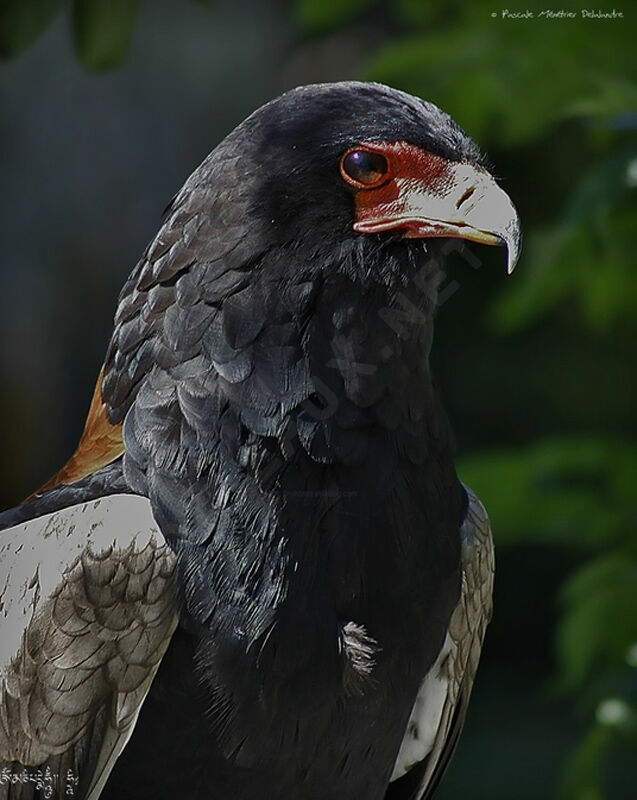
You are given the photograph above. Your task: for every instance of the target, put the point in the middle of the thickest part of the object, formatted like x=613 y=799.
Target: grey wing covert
x=86 y=615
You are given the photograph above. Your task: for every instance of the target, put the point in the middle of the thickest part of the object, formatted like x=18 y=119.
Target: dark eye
x=363 y=168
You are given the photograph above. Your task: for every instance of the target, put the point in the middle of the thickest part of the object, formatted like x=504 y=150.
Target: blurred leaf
x=508 y=100
x=417 y=13
x=22 y=21
x=603 y=186
x=321 y=16
x=102 y=30
x=583 y=772
x=575 y=491
x=600 y=618
x=587 y=256
x=614 y=95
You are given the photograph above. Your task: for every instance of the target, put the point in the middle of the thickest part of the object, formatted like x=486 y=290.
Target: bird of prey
x=259 y=575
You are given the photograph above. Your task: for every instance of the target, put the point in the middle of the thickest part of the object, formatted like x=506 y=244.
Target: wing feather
x=439 y=711
x=86 y=614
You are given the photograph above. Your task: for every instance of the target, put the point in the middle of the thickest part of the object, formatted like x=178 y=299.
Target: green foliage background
x=539 y=371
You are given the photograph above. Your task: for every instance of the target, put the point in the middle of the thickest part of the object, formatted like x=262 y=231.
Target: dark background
x=107 y=105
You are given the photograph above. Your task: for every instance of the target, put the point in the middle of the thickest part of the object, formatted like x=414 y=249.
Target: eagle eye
x=364 y=168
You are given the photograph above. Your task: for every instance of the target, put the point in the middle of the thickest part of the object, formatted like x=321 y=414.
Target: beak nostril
x=465 y=196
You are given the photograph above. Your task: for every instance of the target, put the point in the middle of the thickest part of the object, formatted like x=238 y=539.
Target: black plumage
x=270 y=368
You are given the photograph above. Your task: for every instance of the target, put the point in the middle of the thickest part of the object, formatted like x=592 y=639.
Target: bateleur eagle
x=259 y=575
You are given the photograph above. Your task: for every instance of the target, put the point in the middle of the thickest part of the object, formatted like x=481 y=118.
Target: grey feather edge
x=467 y=628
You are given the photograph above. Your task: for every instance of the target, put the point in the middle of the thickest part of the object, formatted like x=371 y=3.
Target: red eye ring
x=363 y=168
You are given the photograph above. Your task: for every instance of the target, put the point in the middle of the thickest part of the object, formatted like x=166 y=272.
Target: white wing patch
x=426 y=714
x=86 y=614
x=449 y=681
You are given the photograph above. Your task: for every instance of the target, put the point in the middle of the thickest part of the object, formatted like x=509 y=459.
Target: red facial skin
x=423 y=195
x=410 y=169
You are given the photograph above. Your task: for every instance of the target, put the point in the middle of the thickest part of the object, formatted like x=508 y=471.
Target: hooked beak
x=466 y=203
